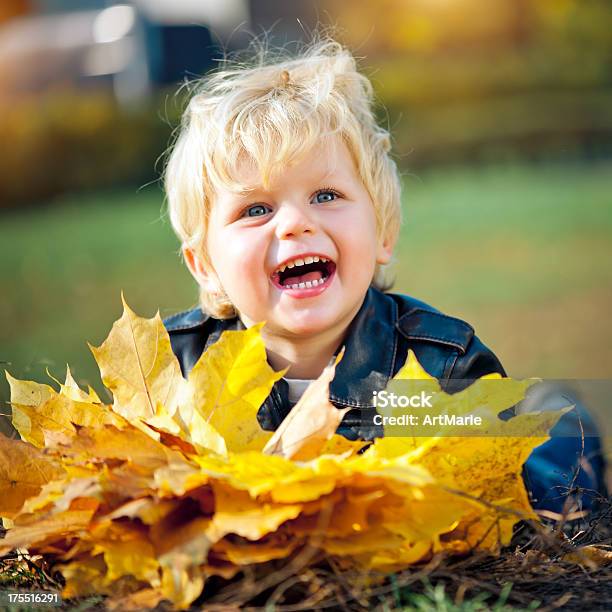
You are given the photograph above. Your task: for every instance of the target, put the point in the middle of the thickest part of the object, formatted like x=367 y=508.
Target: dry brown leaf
x=311 y=422
x=592 y=556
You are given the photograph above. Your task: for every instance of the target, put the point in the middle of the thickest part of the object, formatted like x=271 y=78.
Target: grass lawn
x=522 y=253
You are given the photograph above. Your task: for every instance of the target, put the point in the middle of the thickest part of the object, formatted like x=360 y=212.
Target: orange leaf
x=128 y=444
x=46 y=529
x=23 y=472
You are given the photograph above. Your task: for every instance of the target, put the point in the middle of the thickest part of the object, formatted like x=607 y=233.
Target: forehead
x=329 y=159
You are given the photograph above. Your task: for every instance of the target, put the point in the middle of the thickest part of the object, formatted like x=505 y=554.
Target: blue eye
x=257 y=210
x=324 y=196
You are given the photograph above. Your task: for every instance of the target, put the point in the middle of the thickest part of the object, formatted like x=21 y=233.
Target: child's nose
x=292 y=221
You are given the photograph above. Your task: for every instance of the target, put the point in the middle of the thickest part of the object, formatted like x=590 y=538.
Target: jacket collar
x=369 y=358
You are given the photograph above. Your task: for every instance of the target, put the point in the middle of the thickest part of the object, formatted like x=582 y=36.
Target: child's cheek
x=247 y=268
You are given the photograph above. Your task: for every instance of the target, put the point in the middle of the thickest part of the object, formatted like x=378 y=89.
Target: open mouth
x=306 y=273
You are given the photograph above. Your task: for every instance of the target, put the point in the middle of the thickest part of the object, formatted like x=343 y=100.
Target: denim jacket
x=377 y=343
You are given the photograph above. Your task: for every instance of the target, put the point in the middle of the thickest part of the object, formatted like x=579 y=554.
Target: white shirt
x=297 y=386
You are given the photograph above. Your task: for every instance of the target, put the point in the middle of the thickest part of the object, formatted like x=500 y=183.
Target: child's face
x=316 y=208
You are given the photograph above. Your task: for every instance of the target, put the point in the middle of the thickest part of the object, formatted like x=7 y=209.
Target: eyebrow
x=245 y=196
x=248 y=192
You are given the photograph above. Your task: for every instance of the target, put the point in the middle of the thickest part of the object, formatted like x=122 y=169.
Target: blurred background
x=501 y=114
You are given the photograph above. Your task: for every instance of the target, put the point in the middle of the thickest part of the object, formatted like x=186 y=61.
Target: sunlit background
x=501 y=113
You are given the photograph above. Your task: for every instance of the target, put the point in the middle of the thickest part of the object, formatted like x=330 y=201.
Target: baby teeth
x=306 y=285
x=301 y=262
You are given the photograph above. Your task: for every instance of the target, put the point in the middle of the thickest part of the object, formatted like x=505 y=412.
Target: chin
x=305 y=328
x=309 y=324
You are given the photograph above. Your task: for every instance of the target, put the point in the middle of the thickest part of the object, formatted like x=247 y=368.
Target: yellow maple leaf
x=25 y=395
x=479 y=463
x=413 y=370
x=243 y=553
x=71 y=389
x=42 y=416
x=592 y=556
x=214 y=409
x=138 y=366
x=27 y=392
x=110 y=443
x=84 y=577
x=205 y=437
x=227 y=386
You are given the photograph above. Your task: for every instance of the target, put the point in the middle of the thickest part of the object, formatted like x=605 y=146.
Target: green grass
x=507 y=235
x=436 y=599
x=523 y=253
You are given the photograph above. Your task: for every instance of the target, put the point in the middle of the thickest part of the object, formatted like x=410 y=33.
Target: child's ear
x=384 y=251
x=204 y=274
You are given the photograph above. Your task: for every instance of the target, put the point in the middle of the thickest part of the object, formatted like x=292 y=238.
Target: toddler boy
x=287 y=204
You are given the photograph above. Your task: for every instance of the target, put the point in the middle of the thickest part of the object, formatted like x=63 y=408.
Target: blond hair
x=274 y=112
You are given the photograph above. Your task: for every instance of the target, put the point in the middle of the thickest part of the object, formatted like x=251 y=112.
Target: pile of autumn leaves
x=176 y=482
